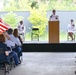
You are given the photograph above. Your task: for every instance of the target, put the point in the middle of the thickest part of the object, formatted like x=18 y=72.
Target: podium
x=53 y=31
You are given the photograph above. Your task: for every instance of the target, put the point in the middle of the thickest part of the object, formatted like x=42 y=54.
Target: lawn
x=63 y=37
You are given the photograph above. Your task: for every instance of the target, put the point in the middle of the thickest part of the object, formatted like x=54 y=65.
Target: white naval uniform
x=21 y=30
x=54 y=18
x=71 y=28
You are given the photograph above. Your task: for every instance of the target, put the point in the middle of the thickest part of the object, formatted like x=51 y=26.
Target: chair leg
x=31 y=36
x=74 y=37
x=38 y=37
x=67 y=37
x=6 y=69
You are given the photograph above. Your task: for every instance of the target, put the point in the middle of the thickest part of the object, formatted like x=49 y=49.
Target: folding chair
x=69 y=38
x=12 y=63
x=35 y=34
x=3 y=64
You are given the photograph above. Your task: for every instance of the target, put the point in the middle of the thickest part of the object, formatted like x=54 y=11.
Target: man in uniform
x=21 y=29
x=54 y=17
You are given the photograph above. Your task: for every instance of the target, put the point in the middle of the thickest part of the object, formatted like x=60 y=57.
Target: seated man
x=71 y=29
x=10 y=44
x=21 y=29
x=17 y=43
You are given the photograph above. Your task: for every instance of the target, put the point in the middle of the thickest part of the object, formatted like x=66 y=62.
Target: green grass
x=28 y=37
x=63 y=37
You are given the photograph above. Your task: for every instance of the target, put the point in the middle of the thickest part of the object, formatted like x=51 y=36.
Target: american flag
x=3 y=26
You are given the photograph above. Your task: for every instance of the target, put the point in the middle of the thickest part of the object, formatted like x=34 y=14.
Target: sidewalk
x=46 y=64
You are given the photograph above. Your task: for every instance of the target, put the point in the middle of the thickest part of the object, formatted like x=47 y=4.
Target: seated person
x=16 y=42
x=21 y=29
x=71 y=29
x=10 y=44
x=4 y=47
x=19 y=44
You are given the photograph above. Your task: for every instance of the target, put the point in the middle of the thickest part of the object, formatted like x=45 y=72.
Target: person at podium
x=54 y=17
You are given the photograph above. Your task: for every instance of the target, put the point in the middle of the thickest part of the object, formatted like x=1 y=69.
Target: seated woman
x=4 y=47
x=10 y=44
x=71 y=29
x=15 y=41
x=19 y=44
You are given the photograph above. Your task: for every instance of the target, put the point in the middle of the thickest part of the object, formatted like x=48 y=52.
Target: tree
x=34 y=5
x=11 y=5
x=25 y=5
x=38 y=19
x=12 y=19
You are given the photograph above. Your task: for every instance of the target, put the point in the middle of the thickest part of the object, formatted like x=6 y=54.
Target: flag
x=3 y=26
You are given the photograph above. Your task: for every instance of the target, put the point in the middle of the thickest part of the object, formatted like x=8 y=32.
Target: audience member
x=4 y=47
x=11 y=45
x=16 y=35
x=17 y=49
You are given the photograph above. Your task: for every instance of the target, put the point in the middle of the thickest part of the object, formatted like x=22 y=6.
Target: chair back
x=2 y=51
x=35 y=34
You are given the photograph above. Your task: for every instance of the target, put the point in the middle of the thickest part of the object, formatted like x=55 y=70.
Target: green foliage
x=34 y=4
x=38 y=20
x=62 y=4
x=12 y=19
x=25 y=5
x=11 y=5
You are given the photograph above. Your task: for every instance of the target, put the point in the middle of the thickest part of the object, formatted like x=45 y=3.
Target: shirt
x=3 y=46
x=9 y=43
x=53 y=18
x=15 y=40
x=21 y=28
x=71 y=28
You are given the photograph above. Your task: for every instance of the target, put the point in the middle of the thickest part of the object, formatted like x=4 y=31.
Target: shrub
x=38 y=20
x=12 y=19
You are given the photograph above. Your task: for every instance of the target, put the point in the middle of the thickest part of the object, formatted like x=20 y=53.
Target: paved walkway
x=46 y=64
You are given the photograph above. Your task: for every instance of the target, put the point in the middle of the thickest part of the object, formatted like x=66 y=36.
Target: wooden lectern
x=53 y=31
